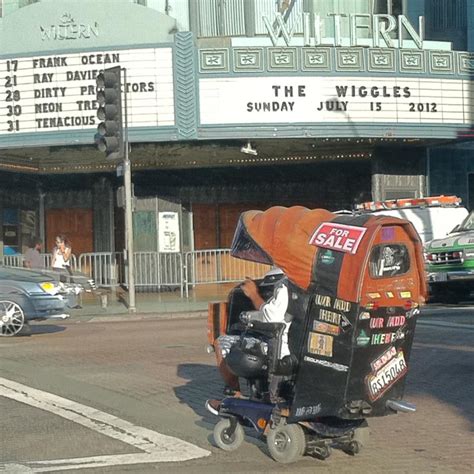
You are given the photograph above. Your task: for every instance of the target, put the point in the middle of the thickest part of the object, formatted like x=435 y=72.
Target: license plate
x=380 y=381
x=441 y=276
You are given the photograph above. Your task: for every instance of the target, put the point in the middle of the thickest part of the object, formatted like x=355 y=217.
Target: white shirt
x=59 y=261
x=274 y=311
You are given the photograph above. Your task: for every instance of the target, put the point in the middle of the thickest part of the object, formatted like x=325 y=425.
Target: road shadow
x=203 y=382
x=38 y=329
x=445 y=370
x=441 y=367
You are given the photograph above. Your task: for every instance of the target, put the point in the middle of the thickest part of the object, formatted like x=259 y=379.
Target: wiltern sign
x=383 y=30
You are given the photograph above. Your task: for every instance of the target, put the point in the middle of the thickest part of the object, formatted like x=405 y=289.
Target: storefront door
x=76 y=224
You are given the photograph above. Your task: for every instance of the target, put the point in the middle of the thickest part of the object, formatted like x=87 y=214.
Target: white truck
x=433 y=217
x=449 y=265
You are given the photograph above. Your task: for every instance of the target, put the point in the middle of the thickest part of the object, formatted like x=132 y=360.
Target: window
x=447 y=21
x=25 y=3
x=391 y=7
x=468 y=223
x=447 y=15
x=323 y=7
x=219 y=17
x=389 y=260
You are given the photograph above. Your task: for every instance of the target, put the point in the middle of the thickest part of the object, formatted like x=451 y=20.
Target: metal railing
x=155 y=271
x=218 y=266
x=18 y=260
x=103 y=267
x=13 y=260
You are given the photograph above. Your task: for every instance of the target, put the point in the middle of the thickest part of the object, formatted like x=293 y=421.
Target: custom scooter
x=355 y=284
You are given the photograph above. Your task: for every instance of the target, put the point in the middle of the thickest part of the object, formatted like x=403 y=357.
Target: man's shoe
x=213 y=406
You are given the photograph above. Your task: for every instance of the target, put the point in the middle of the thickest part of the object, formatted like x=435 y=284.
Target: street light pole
x=127 y=178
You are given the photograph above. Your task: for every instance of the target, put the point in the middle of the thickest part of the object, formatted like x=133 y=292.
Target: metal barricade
x=154 y=271
x=218 y=266
x=103 y=267
x=18 y=260
x=13 y=260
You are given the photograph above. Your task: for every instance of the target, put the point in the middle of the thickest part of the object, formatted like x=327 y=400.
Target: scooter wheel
x=224 y=438
x=361 y=436
x=286 y=443
x=359 y=440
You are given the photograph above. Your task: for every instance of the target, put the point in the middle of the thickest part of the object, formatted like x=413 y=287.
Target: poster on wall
x=168 y=232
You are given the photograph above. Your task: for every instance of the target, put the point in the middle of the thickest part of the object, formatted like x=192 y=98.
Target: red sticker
x=344 y=238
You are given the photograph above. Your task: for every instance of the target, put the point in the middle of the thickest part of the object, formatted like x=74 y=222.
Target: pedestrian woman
x=62 y=254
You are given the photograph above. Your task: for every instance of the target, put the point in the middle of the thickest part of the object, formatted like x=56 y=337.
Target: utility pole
x=112 y=138
x=127 y=182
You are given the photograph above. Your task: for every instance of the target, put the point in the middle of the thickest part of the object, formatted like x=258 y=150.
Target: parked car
x=85 y=282
x=450 y=263
x=27 y=295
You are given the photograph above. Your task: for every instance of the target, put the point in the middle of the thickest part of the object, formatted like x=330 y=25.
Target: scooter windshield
x=243 y=246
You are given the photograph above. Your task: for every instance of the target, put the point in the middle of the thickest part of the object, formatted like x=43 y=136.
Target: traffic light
x=109 y=137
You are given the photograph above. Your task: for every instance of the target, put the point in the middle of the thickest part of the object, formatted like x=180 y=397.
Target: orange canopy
x=283 y=234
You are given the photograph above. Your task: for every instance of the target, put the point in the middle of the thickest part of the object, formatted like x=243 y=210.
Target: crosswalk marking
x=155 y=446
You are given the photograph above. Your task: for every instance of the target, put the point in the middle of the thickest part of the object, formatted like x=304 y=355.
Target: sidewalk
x=159 y=304
x=170 y=304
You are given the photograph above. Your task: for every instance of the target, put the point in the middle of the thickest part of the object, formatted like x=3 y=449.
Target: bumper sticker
x=326 y=328
x=320 y=344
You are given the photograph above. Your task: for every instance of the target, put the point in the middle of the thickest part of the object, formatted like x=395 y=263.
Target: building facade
x=232 y=105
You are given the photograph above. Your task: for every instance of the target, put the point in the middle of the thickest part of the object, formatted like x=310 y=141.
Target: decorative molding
x=381 y=60
x=441 y=62
x=350 y=59
x=466 y=63
x=316 y=59
x=248 y=60
x=186 y=93
x=412 y=61
x=214 y=60
x=282 y=59
x=327 y=59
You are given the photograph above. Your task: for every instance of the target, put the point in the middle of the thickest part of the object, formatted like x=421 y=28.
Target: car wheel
x=12 y=318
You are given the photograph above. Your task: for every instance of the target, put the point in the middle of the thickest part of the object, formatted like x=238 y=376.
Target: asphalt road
x=129 y=397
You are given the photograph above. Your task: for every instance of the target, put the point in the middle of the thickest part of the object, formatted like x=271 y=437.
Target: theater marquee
x=57 y=93
x=339 y=99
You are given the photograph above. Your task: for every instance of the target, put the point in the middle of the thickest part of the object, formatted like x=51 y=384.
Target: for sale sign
x=344 y=238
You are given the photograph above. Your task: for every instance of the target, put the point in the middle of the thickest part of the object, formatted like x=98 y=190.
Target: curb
x=126 y=317
x=443 y=324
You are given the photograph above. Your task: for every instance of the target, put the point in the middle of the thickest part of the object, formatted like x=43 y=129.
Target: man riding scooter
x=354 y=315
x=274 y=310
